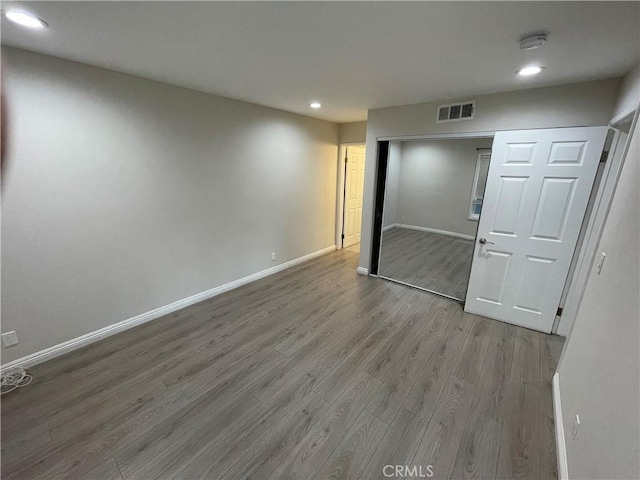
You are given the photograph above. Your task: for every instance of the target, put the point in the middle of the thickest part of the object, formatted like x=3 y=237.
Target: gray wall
x=436 y=178
x=629 y=95
x=599 y=372
x=354 y=132
x=600 y=367
x=581 y=104
x=124 y=195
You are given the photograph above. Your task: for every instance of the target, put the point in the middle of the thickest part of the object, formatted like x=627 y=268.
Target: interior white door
x=536 y=197
x=354 y=189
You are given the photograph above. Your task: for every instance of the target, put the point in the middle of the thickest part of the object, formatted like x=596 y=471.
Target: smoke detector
x=533 y=41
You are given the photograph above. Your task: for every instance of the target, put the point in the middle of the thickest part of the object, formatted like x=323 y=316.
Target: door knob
x=484 y=240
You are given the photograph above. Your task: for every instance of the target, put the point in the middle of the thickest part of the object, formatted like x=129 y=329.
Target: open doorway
x=352 y=162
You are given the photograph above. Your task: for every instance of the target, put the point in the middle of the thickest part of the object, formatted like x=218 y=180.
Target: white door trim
x=340 y=191
x=561 y=446
x=437 y=136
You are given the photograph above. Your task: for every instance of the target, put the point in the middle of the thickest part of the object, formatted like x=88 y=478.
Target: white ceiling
x=351 y=56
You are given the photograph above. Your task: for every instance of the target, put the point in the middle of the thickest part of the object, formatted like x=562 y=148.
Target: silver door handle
x=484 y=240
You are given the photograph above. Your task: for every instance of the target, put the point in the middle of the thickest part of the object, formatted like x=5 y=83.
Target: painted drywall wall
x=390 y=212
x=629 y=95
x=581 y=104
x=125 y=194
x=436 y=178
x=600 y=368
x=354 y=132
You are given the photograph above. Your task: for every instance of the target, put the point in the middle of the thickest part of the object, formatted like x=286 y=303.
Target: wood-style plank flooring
x=439 y=263
x=353 y=248
x=313 y=373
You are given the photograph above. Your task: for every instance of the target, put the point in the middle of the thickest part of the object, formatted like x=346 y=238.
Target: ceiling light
x=528 y=71
x=25 y=19
x=315 y=104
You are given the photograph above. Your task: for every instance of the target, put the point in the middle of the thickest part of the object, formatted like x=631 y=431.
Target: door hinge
x=343 y=236
x=559 y=312
x=604 y=156
x=346 y=159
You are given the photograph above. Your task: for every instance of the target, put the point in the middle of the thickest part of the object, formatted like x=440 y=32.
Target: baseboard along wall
x=430 y=230
x=97 y=335
x=561 y=446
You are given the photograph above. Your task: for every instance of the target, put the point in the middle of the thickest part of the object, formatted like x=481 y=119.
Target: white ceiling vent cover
x=456 y=112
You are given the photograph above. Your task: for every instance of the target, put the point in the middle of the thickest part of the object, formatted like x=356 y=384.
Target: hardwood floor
x=315 y=372
x=439 y=263
x=353 y=248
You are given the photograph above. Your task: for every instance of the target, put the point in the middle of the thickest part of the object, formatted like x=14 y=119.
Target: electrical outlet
x=10 y=338
x=576 y=426
x=273 y=256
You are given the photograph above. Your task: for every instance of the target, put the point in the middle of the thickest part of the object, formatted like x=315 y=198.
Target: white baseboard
x=362 y=271
x=561 y=446
x=435 y=230
x=389 y=227
x=78 y=342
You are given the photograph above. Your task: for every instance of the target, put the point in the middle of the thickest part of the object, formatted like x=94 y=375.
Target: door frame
x=576 y=281
x=340 y=194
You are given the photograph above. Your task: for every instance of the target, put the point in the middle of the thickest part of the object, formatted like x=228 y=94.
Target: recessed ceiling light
x=315 y=104
x=528 y=71
x=25 y=19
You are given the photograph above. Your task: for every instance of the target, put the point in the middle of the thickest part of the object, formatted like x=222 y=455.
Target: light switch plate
x=576 y=426
x=603 y=257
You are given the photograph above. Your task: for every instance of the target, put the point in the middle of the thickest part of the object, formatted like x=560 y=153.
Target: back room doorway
x=350 y=215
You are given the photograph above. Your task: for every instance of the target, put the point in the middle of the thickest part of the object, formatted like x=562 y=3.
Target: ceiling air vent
x=456 y=112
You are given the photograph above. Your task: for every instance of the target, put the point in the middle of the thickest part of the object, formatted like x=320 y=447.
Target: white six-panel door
x=536 y=197
x=354 y=188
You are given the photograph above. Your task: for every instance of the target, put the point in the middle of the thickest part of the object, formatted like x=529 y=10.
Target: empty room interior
x=320 y=240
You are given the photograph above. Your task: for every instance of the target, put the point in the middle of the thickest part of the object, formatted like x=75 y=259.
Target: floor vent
x=456 y=112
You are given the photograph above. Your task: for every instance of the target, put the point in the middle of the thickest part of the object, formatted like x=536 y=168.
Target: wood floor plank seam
x=294 y=384
x=343 y=463
x=119 y=470
x=449 y=418
x=446 y=380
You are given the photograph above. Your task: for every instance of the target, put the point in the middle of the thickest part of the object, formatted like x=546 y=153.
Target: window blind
x=481 y=176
